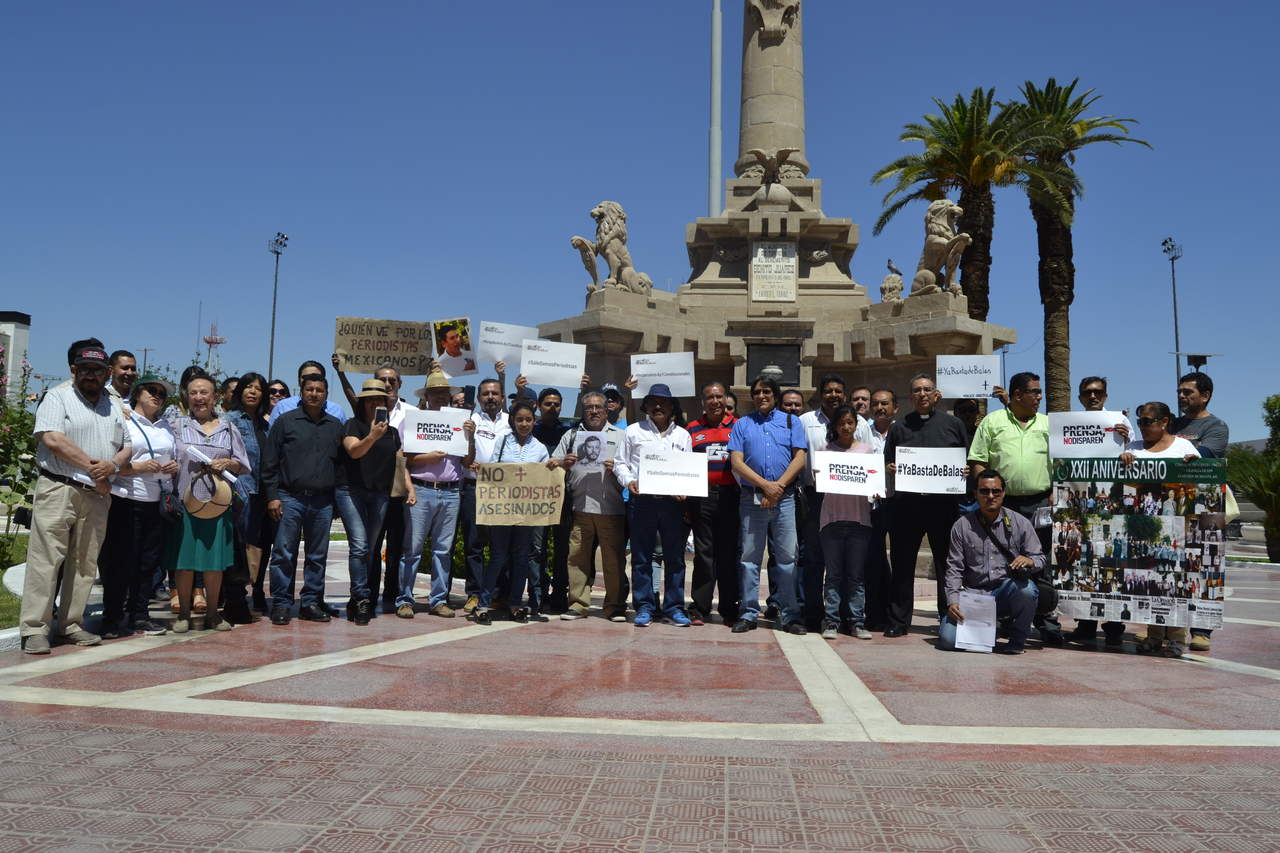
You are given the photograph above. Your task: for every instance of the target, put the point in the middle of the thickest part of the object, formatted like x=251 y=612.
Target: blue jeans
x=509 y=551
x=1015 y=602
x=655 y=518
x=777 y=526
x=844 y=548
x=309 y=517
x=362 y=514
x=435 y=514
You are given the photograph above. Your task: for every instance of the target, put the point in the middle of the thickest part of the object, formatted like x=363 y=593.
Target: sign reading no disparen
x=424 y=431
x=1080 y=435
x=666 y=471
x=521 y=494
x=931 y=470
x=849 y=473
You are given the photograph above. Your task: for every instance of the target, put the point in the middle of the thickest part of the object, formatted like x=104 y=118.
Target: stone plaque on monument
x=774 y=270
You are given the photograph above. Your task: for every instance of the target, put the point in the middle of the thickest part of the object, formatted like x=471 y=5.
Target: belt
x=66 y=481
x=308 y=493
x=431 y=484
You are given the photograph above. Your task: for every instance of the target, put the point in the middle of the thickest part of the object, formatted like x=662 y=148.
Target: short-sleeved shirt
x=595 y=491
x=96 y=428
x=1207 y=434
x=714 y=441
x=447 y=470
x=835 y=507
x=377 y=468
x=766 y=442
x=150 y=441
x=489 y=431
x=1020 y=453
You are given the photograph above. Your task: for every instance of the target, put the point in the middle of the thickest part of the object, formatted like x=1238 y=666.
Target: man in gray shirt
x=586 y=453
x=998 y=551
x=81 y=442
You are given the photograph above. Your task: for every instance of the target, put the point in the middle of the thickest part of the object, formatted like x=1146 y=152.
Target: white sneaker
x=861 y=633
x=570 y=615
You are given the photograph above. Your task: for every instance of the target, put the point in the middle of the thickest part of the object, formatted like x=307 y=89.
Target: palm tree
x=966 y=149
x=1056 y=128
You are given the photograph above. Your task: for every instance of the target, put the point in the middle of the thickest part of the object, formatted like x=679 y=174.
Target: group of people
x=233 y=480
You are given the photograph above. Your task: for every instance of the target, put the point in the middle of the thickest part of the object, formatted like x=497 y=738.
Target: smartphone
x=380 y=415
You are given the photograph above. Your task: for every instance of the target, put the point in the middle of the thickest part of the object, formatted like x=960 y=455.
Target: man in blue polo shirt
x=767 y=453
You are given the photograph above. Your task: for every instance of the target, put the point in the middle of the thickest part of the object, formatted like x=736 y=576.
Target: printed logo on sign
x=1085 y=434
x=436 y=432
x=845 y=472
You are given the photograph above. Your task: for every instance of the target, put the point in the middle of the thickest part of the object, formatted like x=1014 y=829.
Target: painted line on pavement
x=1261 y=622
x=1233 y=666
x=834 y=690
x=70 y=659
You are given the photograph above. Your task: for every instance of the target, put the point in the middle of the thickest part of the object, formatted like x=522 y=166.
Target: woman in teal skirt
x=194 y=544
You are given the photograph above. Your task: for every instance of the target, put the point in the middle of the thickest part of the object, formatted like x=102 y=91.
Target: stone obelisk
x=772 y=105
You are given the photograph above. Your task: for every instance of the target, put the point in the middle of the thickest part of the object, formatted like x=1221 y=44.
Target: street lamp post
x=1173 y=252
x=276 y=246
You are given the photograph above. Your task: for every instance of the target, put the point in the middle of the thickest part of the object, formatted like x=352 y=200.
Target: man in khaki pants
x=81 y=442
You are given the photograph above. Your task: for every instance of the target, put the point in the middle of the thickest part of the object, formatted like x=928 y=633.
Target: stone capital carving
x=774 y=17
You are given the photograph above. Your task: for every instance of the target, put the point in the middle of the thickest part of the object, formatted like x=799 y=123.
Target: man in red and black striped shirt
x=715 y=517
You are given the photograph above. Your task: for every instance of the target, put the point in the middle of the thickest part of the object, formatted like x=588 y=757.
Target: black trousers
x=392 y=534
x=474 y=539
x=810 y=564
x=553 y=569
x=715 y=551
x=877 y=575
x=915 y=517
x=128 y=560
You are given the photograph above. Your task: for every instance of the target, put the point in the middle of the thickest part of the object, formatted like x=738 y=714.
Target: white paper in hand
x=977 y=632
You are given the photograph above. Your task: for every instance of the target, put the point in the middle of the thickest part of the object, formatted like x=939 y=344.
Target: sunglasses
x=158 y=393
x=1148 y=421
x=991 y=492
x=277 y=392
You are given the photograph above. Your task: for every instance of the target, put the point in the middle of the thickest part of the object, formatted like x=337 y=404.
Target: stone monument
x=771 y=280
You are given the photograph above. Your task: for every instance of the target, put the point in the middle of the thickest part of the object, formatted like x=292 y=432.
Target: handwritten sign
x=1080 y=435
x=424 y=431
x=849 y=473
x=521 y=494
x=364 y=345
x=503 y=342
x=667 y=471
x=930 y=470
x=967 y=376
x=774 y=271
x=553 y=363
x=673 y=369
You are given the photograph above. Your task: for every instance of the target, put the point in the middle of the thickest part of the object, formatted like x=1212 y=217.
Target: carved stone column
x=772 y=109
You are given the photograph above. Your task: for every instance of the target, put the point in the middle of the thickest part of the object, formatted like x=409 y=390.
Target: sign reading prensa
x=967 y=376
x=667 y=471
x=774 y=270
x=849 y=473
x=521 y=494
x=364 y=345
x=1080 y=435
x=553 y=363
x=930 y=470
x=673 y=369
x=425 y=431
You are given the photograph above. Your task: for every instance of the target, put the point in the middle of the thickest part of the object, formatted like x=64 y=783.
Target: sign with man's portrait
x=453 y=346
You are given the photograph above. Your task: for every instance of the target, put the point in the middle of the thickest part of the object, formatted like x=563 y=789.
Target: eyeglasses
x=158 y=393
x=1093 y=392
x=277 y=392
x=1033 y=391
x=921 y=390
x=1148 y=421
x=992 y=492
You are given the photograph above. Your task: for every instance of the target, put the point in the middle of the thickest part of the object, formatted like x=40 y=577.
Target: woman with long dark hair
x=246 y=412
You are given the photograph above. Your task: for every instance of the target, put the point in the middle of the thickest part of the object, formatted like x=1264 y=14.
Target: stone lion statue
x=942 y=249
x=611 y=244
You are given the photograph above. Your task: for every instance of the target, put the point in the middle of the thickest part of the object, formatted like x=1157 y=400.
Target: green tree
x=1055 y=128
x=17 y=453
x=968 y=149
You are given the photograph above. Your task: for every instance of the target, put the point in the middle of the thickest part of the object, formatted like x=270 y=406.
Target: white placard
x=972 y=376
x=424 y=431
x=674 y=369
x=978 y=630
x=1080 y=435
x=848 y=473
x=774 y=271
x=666 y=471
x=553 y=363
x=931 y=470
x=503 y=342
x=592 y=450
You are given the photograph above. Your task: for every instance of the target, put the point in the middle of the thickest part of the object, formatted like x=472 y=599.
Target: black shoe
x=259 y=601
x=1008 y=649
x=329 y=608
x=236 y=611
x=482 y=617
x=1085 y=639
x=1051 y=638
x=364 y=612
x=742 y=626
x=280 y=616
x=313 y=613
x=896 y=631
x=771 y=612
x=520 y=615
x=796 y=628
x=536 y=616
x=1114 y=641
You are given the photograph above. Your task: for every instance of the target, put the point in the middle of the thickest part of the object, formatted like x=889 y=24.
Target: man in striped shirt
x=715 y=517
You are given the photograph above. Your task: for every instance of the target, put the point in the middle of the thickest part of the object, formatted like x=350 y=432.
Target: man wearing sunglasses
x=1016 y=441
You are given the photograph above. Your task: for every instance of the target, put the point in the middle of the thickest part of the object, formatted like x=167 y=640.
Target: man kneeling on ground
x=997 y=551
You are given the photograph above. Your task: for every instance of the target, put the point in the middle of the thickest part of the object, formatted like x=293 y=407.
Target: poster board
x=848 y=473
x=425 y=431
x=673 y=369
x=667 y=471
x=524 y=494
x=1080 y=435
x=931 y=470
x=503 y=342
x=553 y=363
x=967 y=376
x=363 y=345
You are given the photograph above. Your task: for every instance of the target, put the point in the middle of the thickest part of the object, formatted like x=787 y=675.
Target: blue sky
x=432 y=160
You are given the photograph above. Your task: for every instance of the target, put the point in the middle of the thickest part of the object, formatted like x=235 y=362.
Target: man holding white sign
x=656 y=515
x=920 y=514
x=673 y=369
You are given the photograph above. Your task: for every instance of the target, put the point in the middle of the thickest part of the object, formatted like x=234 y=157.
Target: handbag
x=170 y=506
x=398 y=487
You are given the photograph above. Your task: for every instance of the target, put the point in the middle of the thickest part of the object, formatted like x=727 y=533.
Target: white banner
x=666 y=471
x=424 y=431
x=553 y=363
x=503 y=342
x=972 y=376
x=931 y=470
x=1081 y=435
x=674 y=369
x=848 y=473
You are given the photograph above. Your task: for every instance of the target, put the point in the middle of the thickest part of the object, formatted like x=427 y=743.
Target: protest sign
x=667 y=471
x=674 y=369
x=503 y=342
x=972 y=376
x=848 y=473
x=1076 y=435
x=364 y=345
x=1140 y=543
x=930 y=470
x=453 y=346
x=424 y=431
x=553 y=363
x=524 y=494
x=592 y=450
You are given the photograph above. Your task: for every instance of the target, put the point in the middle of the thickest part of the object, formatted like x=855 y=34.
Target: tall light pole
x=1173 y=251
x=276 y=246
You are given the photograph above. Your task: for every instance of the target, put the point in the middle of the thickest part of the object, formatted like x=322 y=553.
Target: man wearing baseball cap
x=81 y=441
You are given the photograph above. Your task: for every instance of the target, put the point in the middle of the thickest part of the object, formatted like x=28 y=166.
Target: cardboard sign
x=503 y=342
x=848 y=473
x=424 y=431
x=931 y=470
x=553 y=363
x=524 y=494
x=673 y=369
x=967 y=376
x=667 y=471
x=364 y=345
x=1080 y=435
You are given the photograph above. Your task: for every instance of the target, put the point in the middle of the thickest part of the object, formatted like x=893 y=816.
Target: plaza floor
x=440 y=735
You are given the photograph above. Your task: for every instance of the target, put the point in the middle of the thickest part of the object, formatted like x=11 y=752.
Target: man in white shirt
x=491 y=425
x=884 y=410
